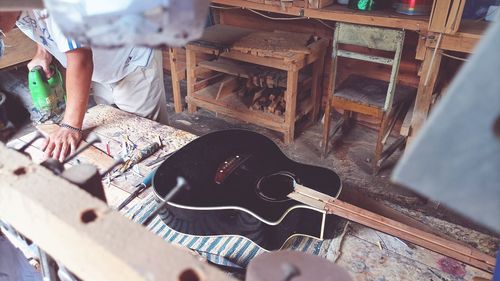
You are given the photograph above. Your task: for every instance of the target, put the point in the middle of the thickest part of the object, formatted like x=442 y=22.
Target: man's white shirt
x=110 y=65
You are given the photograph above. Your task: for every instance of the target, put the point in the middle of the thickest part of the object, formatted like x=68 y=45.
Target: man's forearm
x=78 y=78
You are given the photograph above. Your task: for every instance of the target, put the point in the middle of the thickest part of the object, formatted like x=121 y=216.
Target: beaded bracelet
x=64 y=125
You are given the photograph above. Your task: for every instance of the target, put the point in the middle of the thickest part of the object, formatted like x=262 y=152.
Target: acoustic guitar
x=242 y=184
x=239 y=184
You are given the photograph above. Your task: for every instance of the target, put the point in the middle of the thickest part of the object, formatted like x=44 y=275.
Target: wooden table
x=291 y=64
x=18 y=49
x=112 y=126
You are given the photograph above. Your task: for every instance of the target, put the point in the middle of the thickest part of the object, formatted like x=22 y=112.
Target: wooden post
x=90 y=239
x=176 y=83
x=315 y=88
x=424 y=92
x=191 y=77
x=291 y=104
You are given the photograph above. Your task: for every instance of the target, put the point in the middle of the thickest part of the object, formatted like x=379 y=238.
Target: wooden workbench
x=113 y=126
x=365 y=253
x=237 y=62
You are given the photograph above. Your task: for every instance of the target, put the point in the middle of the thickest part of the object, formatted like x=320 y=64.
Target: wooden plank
x=406 y=127
x=424 y=239
x=318 y=4
x=455 y=16
x=420 y=52
x=269 y=62
x=236 y=104
x=291 y=105
x=369 y=36
x=317 y=73
x=93 y=155
x=425 y=91
x=266 y=120
x=295 y=11
x=273 y=44
x=227 y=87
x=90 y=239
x=176 y=83
x=191 y=77
x=356 y=107
x=18 y=49
x=464 y=40
x=363 y=57
x=208 y=81
x=245 y=70
x=439 y=15
x=381 y=18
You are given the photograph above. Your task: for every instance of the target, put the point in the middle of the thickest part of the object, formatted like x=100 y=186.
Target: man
x=130 y=77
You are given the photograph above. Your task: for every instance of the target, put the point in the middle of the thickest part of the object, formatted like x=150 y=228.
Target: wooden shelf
x=235 y=107
x=247 y=70
x=294 y=11
x=263 y=71
x=468 y=35
x=384 y=18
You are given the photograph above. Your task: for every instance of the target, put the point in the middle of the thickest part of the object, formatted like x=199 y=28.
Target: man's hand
x=61 y=143
x=78 y=77
x=42 y=58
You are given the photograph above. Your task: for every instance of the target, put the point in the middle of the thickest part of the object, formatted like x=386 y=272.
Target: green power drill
x=48 y=95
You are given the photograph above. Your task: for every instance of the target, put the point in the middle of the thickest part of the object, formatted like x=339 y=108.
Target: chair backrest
x=374 y=38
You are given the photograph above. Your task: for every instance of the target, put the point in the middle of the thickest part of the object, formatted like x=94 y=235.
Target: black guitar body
x=239 y=181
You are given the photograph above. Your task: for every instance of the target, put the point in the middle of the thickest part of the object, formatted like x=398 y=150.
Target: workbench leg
x=291 y=105
x=176 y=84
x=424 y=92
x=315 y=88
x=191 y=78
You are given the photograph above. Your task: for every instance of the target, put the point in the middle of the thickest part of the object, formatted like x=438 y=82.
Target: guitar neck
x=401 y=230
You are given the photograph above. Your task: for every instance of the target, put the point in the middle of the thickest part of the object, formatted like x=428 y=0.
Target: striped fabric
x=228 y=250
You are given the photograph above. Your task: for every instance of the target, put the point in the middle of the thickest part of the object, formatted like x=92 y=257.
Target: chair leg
x=380 y=145
x=326 y=128
x=346 y=125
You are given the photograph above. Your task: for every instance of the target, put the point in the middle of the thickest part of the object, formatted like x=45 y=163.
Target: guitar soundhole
x=276 y=187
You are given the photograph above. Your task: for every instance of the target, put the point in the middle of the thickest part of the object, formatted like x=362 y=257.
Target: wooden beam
x=295 y=11
x=439 y=15
x=375 y=18
x=424 y=93
x=191 y=77
x=455 y=16
x=90 y=239
x=419 y=237
x=227 y=87
x=464 y=40
x=176 y=83
x=291 y=105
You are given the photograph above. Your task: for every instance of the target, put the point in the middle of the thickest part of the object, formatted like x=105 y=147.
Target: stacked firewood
x=262 y=94
x=269 y=100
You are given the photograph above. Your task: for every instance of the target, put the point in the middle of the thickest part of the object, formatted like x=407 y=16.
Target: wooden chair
x=364 y=95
